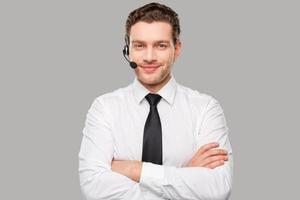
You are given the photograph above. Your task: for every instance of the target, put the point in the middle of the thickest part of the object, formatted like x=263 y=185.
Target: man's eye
x=162 y=46
x=138 y=46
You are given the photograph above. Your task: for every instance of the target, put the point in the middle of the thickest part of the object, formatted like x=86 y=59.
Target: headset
x=133 y=65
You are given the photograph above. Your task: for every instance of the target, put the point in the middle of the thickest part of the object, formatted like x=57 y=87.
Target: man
x=155 y=139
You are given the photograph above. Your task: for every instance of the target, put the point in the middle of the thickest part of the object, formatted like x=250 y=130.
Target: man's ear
x=177 y=49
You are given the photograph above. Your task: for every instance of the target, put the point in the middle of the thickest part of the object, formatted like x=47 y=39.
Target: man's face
x=152 y=48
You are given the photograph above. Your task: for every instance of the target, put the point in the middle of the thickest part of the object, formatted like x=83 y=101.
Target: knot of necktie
x=153 y=99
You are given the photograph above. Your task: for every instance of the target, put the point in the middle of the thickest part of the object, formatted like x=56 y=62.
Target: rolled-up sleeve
x=196 y=182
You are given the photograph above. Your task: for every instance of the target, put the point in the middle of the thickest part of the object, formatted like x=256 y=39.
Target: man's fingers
x=207 y=147
x=207 y=155
x=212 y=159
x=215 y=164
x=214 y=152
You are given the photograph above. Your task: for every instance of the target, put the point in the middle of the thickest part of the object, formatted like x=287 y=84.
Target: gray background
x=57 y=56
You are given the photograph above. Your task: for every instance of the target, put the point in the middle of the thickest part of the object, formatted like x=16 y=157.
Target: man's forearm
x=206 y=156
x=130 y=168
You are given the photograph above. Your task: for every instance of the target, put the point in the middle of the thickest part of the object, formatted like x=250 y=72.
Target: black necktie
x=152 y=141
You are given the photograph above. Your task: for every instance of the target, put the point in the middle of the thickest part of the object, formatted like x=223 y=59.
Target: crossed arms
x=206 y=156
x=208 y=175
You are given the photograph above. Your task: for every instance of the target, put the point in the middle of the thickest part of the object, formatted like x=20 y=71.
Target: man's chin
x=149 y=81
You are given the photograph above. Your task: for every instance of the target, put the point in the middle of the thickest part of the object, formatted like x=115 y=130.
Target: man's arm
x=206 y=156
x=97 y=180
x=205 y=177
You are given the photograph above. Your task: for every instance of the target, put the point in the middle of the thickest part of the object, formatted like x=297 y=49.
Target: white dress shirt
x=114 y=130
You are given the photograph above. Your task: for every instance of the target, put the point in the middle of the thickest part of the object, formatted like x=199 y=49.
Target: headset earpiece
x=126 y=45
x=127 y=49
x=133 y=65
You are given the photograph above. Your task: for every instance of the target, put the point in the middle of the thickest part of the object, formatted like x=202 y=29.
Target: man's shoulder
x=115 y=95
x=198 y=101
x=194 y=95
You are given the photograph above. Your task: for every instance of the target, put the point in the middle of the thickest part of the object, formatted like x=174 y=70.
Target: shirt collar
x=167 y=92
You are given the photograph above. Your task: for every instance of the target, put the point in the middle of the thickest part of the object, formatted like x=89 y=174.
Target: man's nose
x=150 y=55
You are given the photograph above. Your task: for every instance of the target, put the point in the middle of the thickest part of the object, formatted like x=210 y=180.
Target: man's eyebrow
x=163 y=41
x=137 y=41
x=158 y=41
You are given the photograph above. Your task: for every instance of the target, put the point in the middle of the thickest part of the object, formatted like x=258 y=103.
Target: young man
x=155 y=139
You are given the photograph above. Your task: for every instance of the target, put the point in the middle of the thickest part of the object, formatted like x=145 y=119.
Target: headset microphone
x=133 y=65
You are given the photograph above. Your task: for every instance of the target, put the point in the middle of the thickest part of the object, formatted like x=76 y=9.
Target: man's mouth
x=149 y=68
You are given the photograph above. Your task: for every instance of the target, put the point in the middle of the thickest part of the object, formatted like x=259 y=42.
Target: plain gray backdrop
x=56 y=57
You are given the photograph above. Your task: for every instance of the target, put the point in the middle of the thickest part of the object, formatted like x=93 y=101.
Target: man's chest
x=178 y=135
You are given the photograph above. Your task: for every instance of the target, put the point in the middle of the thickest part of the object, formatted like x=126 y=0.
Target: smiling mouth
x=149 y=68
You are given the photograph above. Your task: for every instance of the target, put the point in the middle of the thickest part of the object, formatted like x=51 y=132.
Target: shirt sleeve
x=195 y=182
x=97 y=180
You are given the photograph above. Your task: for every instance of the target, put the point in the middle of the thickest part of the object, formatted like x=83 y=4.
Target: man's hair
x=154 y=12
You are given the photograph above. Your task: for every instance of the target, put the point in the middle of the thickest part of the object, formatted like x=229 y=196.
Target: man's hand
x=209 y=157
x=130 y=168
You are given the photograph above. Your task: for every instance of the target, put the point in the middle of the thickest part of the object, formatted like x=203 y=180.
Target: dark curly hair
x=154 y=12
